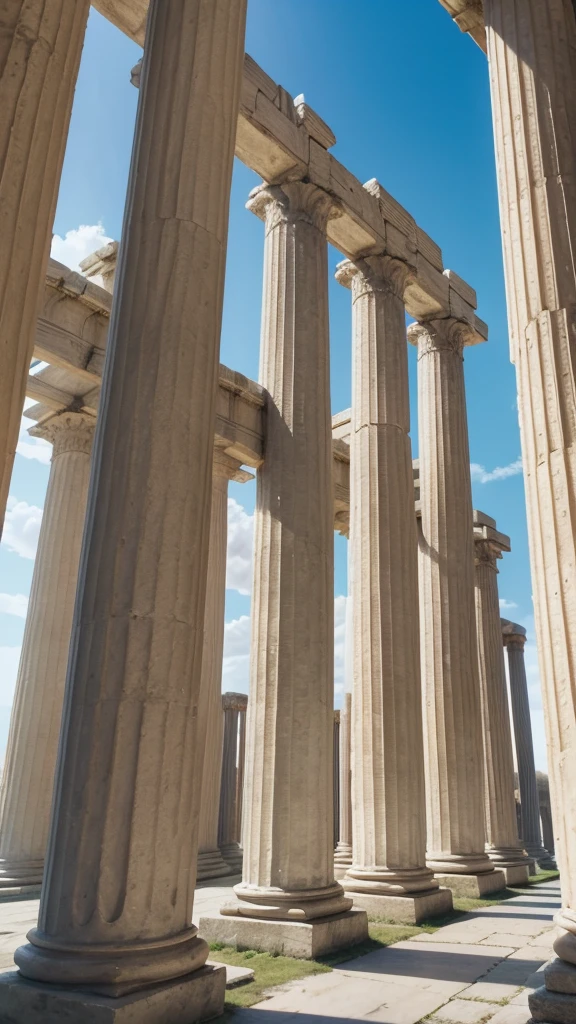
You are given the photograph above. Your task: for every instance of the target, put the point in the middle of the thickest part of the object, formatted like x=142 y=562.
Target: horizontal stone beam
x=469 y=17
x=281 y=139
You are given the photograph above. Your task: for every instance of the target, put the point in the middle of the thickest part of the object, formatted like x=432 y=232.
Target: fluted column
x=343 y=851
x=545 y=811
x=28 y=776
x=210 y=861
x=288 y=869
x=40 y=46
x=502 y=843
x=452 y=722
x=230 y=816
x=116 y=907
x=514 y=638
x=531 y=49
x=389 y=826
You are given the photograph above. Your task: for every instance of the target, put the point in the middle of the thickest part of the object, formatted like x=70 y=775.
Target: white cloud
x=240 y=546
x=507 y=606
x=33 y=447
x=21 y=527
x=481 y=475
x=236 y=664
x=77 y=244
x=14 y=604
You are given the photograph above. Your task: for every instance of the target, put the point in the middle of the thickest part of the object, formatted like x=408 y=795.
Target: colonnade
x=135 y=796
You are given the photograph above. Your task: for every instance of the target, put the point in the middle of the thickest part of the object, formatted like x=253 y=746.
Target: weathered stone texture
x=40 y=46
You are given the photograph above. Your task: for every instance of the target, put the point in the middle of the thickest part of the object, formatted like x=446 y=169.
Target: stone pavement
x=470 y=972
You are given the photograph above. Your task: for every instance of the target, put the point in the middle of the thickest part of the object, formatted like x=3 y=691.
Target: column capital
x=292 y=201
x=445 y=335
x=228 y=468
x=374 y=274
x=67 y=432
x=489 y=544
x=513 y=635
x=234 y=701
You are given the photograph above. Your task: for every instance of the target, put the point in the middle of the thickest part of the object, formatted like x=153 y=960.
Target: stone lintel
x=305 y=940
x=313 y=123
x=469 y=16
x=485 y=530
x=404 y=909
x=102 y=263
x=475 y=886
x=195 y=997
x=342 y=425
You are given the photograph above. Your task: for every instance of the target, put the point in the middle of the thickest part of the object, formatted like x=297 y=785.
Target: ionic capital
x=290 y=202
x=67 y=432
x=228 y=468
x=234 y=701
x=374 y=274
x=447 y=335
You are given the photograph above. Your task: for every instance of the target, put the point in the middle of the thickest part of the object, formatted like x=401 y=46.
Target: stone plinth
x=28 y=775
x=502 y=843
x=405 y=909
x=40 y=48
x=305 y=940
x=387 y=759
x=117 y=900
x=452 y=712
x=288 y=832
x=474 y=885
x=198 y=996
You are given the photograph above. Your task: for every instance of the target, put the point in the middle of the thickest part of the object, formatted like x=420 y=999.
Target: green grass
x=543 y=876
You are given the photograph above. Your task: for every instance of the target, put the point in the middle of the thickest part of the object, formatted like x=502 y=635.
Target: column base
x=544 y=860
x=19 y=878
x=342 y=859
x=305 y=940
x=403 y=909
x=195 y=997
x=474 y=886
x=233 y=854
x=555 y=1003
x=211 y=864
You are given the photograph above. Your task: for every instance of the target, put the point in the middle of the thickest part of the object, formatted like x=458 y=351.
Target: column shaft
x=502 y=843
x=210 y=861
x=532 y=54
x=28 y=775
x=389 y=845
x=529 y=806
x=40 y=46
x=230 y=792
x=288 y=832
x=116 y=907
x=343 y=852
x=452 y=723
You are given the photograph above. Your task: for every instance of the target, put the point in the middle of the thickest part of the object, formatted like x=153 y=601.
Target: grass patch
x=543 y=876
x=268 y=970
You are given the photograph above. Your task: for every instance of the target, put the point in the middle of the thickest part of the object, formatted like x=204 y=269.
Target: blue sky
x=408 y=100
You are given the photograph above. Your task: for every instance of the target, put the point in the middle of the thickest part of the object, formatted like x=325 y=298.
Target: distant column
x=502 y=843
x=40 y=47
x=117 y=900
x=388 y=876
x=230 y=817
x=210 y=861
x=514 y=637
x=288 y=870
x=452 y=724
x=28 y=776
x=343 y=852
x=545 y=812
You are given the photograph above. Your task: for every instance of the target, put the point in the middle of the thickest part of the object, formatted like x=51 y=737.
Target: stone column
x=452 y=722
x=514 y=637
x=343 y=852
x=28 y=776
x=40 y=46
x=336 y=778
x=388 y=871
x=545 y=811
x=502 y=843
x=116 y=908
x=531 y=49
x=230 y=817
x=288 y=871
x=210 y=861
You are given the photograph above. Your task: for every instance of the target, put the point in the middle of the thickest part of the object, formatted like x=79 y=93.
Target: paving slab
x=510 y=1015
x=461 y=1011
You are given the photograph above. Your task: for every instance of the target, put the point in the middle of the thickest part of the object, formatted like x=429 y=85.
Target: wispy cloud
x=240 y=545
x=21 y=527
x=14 y=604
x=507 y=606
x=482 y=475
